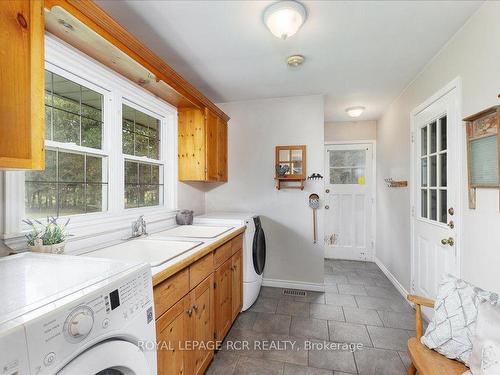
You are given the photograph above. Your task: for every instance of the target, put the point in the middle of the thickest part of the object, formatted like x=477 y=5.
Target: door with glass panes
x=436 y=178
x=349 y=197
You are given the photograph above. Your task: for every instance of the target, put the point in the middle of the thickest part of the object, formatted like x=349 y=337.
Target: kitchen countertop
x=167 y=269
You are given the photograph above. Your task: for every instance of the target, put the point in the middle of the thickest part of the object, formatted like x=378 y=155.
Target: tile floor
x=359 y=306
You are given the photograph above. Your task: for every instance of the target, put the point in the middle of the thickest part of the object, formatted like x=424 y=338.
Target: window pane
x=433 y=170
x=423 y=203
x=140 y=133
x=73 y=112
x=93 y=169
x=40 y=199
x=340 y=175
x=443 y=211
x=70 y=184
x=347 y=158
x=442 y=161
x=91 y=133
x=442 y=133
x=71 y=167
x=71 y=199
x=142 y=184
x=433 y=204
x=66 y=126
x=423 y=140
x=423 y=173
x=433 y=137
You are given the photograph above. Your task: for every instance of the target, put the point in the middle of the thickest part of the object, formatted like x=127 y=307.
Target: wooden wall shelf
x=290 y=167
x=282 y=183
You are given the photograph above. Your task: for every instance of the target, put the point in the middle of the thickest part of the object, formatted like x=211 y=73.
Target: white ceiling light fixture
x=355 y=111
x=285 y=18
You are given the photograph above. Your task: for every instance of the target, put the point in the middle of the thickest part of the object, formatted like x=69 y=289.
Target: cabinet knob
x=195 y=307
x=22 y=21
x=189 y=312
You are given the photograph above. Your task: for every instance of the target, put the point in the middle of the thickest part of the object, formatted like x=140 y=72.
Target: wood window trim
x=110 y=31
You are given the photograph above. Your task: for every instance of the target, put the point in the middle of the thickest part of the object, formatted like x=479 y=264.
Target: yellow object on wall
x=361 y=180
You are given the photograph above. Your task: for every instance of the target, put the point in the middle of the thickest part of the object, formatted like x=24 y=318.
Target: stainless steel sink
x=148 y=250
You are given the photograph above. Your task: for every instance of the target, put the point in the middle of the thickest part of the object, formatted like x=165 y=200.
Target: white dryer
x=254 y=249
x=71 y=315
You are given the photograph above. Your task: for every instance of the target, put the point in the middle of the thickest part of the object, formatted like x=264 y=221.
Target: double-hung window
x=75 y=178
x=109 y=150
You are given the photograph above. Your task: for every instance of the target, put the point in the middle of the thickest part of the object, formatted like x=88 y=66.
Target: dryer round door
x=259 y=248
x=115 y=357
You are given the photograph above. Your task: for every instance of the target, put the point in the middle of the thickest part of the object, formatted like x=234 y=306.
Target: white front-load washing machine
x=254 y=249
x=71 y=315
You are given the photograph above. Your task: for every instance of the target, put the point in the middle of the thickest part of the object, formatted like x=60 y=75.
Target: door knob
x=327 y=207
x=451 y=211
x=448 y=241
x=327 y=190
x=451 y=224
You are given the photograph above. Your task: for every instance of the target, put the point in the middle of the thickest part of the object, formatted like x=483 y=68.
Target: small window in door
x=433 y=170
x=347 y=167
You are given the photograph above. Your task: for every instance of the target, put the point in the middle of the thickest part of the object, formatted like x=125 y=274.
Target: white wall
x=191 y=196
x=473 y=55
x=255 y=128
x=350 y=131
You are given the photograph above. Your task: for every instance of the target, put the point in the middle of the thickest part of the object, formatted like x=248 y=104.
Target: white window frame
x=66 y=61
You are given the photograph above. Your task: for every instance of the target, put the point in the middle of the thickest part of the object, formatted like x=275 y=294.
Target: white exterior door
x=349 y=198
x=436 y=177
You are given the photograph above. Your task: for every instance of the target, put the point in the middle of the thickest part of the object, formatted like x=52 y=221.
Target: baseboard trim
x=401 y=289
x=276 y=283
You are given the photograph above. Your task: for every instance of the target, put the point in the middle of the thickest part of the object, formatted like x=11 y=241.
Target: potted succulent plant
x=47 y=237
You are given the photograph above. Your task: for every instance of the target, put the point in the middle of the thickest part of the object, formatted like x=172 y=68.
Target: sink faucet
x=139 y=227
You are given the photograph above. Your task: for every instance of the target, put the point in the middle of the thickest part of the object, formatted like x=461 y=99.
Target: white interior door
x=436 y=176
x=349 y=197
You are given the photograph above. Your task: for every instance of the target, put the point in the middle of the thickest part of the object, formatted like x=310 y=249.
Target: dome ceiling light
x=285 y=18
x=355 y=111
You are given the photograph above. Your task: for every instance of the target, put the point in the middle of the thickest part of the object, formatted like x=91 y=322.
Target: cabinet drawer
x=167 y=293
x=200 y=269
x=237 y=244
x=222 y=254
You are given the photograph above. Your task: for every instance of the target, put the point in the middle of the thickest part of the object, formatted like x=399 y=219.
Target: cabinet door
x=223 y=304
x=237 y=284
x=22 y=128
x=221 y=150
x=211 y=146
x=191 y=154
x=202 y=325
x=172 y=331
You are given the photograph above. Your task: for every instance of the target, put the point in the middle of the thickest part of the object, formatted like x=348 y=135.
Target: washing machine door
x=114 y=357
x=259 y=247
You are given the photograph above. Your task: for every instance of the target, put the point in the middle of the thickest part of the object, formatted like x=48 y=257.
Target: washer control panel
x=58 y=336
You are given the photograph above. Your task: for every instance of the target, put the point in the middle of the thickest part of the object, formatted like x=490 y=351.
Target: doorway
x=436 y=169
x=349 y=200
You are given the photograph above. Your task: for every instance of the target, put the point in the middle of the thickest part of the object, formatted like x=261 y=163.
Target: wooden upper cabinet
x=202 y=146
x=22 y=127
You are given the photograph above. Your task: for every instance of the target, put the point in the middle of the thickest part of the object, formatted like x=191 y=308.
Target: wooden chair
x=423 y=359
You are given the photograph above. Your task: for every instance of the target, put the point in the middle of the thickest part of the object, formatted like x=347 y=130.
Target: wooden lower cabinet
x=171 y=332
x=195 y=313
x=223 y=301
x=237 y=284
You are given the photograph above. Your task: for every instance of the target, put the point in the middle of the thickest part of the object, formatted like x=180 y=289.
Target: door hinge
x=412 y=210
x=412 y=137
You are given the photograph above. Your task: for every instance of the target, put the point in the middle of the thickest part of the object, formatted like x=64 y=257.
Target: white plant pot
x=52 y=249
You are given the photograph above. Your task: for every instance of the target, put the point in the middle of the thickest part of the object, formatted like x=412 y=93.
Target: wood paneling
x=191 y=145
x=237 y=283
x=200 y=269
x=202 y=325
x=212 y=158
x=221 y=150
x=237 y=244
x=97 y=34
x=170 y=291
x=222 y=254
x=172 y=329
x=223 y=299
x=22 y=128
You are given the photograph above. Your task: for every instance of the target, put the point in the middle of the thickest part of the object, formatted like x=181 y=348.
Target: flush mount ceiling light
x=355 y=111
x=295 y=60
x=284 y=18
